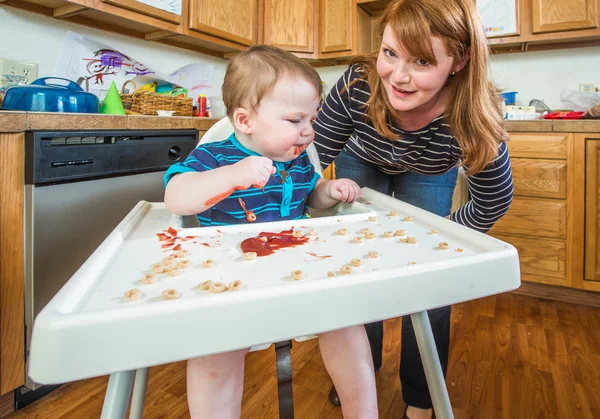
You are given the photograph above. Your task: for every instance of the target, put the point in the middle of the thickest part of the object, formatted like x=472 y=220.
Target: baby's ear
x=241 y=120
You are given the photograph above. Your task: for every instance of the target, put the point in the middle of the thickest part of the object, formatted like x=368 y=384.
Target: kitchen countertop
x=24 y=121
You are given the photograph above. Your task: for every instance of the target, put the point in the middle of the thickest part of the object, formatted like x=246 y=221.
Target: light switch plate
x=22 y=71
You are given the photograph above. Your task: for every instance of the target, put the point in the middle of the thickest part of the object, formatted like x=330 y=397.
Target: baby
x=272 y=98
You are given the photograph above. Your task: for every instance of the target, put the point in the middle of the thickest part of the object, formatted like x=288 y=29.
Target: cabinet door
x=169 y=11
x=336 y=18
x=290 y=24
x=592 y=210
x=234 y=20
x=563 y=15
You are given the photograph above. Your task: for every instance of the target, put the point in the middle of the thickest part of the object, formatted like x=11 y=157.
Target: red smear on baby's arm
x=218 y=198
x=267 y=243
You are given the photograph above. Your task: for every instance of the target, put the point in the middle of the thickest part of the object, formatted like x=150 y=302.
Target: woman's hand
x=344 y=190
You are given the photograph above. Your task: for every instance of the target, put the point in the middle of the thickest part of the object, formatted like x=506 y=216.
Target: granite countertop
x=24 y=121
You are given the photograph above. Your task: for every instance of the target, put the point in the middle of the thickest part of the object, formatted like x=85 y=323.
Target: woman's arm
x=491 y=194
x=334 y=124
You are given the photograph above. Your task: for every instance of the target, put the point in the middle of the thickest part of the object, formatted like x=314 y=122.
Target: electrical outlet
x=19 y=71
x=586 y=87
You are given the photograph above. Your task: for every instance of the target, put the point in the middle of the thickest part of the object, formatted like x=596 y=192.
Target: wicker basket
x=147 y=103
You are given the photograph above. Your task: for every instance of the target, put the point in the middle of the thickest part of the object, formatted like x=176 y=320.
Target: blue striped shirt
x=282 y=199
x=432 y=150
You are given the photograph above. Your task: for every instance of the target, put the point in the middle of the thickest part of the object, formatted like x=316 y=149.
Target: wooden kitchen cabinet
x=232 y=20
x=591 y=279
x=537 y=223
x=146 y=10
x=563 y=15
x=291 y=25
x=12 y=247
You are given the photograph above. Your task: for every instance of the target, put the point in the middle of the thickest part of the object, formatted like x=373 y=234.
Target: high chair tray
x=90 y=328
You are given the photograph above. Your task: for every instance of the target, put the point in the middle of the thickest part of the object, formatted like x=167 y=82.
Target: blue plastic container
x=41 y=96
x=509 y=98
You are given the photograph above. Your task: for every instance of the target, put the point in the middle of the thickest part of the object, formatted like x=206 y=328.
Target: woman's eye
x=422 y=62
x=388 y=53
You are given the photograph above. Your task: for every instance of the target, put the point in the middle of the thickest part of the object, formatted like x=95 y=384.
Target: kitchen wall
x=31 y=37
x=535 y=75
x=539 y=75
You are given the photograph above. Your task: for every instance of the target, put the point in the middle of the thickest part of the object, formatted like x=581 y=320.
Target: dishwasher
x=78 y=186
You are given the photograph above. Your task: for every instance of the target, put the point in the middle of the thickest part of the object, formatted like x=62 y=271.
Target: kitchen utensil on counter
x=539 y=105
x=44 y=96
x=564 y=115
x=509 y=98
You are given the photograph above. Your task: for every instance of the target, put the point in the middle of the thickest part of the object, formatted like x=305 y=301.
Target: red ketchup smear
x=317 y=256
x=218 y=198
x=267 y=243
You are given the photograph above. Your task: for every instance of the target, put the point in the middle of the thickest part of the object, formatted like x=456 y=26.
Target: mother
x=401 y=122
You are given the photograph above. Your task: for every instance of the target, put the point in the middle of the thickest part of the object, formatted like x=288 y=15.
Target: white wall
x=26 y=36
x=535 y=75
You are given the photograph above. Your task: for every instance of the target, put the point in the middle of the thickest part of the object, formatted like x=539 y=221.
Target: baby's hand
x=344 y=190
x=253 y=171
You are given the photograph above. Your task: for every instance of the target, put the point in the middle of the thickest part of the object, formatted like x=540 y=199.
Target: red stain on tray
x=267 y=243
x=317 y=256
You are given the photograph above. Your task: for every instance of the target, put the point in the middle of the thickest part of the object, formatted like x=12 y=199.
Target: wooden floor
x=512 y=357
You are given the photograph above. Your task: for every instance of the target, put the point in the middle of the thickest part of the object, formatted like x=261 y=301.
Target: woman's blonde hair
x=252 y=75
x=474 y=109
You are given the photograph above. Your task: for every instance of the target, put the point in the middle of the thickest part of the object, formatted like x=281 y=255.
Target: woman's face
x=411 y=83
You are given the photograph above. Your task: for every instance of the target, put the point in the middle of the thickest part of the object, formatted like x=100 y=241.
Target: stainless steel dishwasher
x=79 y=186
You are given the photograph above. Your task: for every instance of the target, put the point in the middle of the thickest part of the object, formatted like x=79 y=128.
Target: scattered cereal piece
x=364 y=230
x=330 y=274
x=409 y=240
x=133 y=294
x=342 y=231
x=345 y=270
x=217 y=287
x=412 y=263
x=356 y=262
x=204 y=285
x=174 y=271
x=313 y=232
x=400 y=233
x=296 y=275
x=250 y=255
x=169 y=260
x=358 y=239
x=444 y=246
x=149 y=279
x=388 y=234
x=393 y=213
x=433 y=232
x=373 y=254
x=208 y=263
x=158 y=268
x=459 y=249
x=369 y=236
x=235 y=285
x=182 y=253
x=298 y=233
x=408 y=218
x=170 y=294
x=184 y=263
x=372 y=218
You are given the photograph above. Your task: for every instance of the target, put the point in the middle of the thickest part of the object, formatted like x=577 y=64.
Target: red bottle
x=202 y=106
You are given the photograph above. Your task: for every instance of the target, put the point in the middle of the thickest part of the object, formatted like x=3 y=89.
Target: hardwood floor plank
x=511 y=357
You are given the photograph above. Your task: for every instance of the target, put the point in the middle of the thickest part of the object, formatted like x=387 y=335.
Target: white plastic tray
x=90 y=329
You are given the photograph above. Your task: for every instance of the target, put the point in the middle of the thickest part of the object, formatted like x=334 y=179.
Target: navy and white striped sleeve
x=199 y=160
x=491 y=193
x=334 y=124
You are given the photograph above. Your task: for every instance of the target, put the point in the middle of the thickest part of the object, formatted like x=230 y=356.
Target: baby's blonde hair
x=252 y=75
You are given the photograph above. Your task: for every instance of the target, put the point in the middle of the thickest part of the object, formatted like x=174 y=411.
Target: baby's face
x=282 y=124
